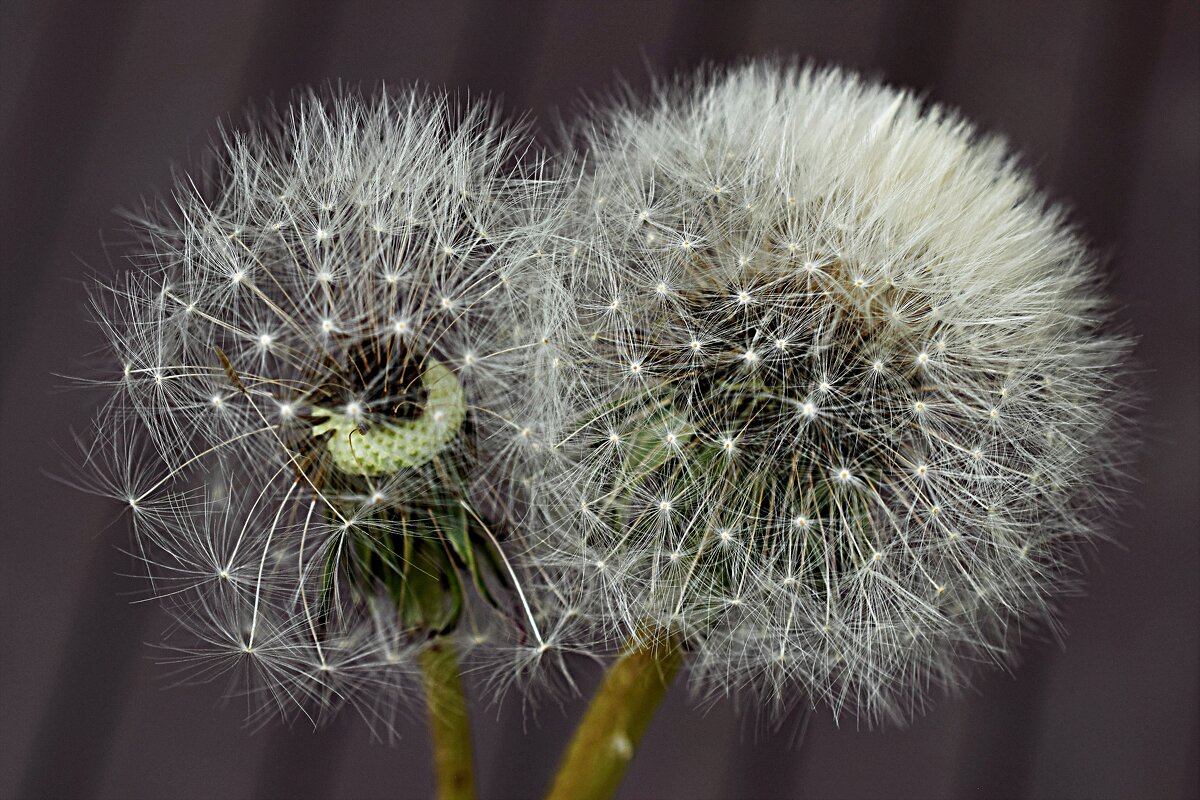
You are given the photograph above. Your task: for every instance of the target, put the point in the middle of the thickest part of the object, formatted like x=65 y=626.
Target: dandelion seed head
x=327 y=327
x=881 y=267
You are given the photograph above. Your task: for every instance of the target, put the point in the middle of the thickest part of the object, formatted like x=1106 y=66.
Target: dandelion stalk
x=621 y=710
x=449 y=723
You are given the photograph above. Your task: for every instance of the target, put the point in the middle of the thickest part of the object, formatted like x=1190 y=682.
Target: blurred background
x=97 y=99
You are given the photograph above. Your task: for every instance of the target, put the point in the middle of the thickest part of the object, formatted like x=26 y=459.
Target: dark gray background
x=96 y=100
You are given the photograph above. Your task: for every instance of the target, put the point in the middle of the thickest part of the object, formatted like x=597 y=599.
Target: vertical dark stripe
x=773 y=763
x=289 y=48
x=1190 y=785
x=1121 y=49
x=301 y=763
x=1107 y=127
x=47 y=142
x=56 y=118
x=526 y=759
x=73 y=741
x=916 y=42
x=500 y=44
x=710 y=32
x=74 y=737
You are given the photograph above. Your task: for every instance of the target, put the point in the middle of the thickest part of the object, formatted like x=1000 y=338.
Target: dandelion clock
x=319 y=366
x=844 y=406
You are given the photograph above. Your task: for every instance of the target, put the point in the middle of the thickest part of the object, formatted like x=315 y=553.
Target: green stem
x=449 y=725
x=621 y=710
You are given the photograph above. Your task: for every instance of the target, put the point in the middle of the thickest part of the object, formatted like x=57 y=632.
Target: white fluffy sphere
x=844 y=407
x=320 y=361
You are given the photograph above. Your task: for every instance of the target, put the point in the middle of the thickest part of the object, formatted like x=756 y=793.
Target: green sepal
x=418 y=557
x=458 y=527
x=452 y=525
x=492 y=558
x=431 y=593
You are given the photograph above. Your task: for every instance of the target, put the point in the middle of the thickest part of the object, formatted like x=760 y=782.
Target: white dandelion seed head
x=915 y=273
x=290 y=417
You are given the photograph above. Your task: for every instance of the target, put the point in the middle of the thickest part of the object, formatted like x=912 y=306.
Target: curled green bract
x=388 y=447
